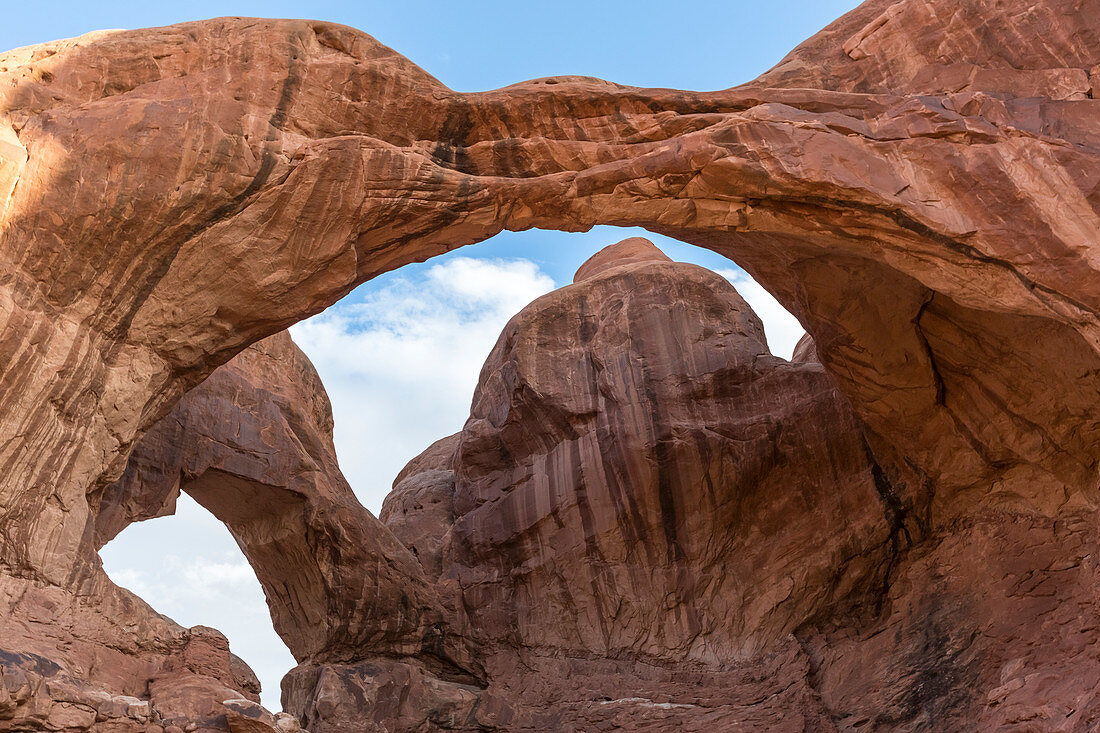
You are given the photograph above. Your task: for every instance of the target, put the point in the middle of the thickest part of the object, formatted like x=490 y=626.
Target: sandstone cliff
x=919 y=183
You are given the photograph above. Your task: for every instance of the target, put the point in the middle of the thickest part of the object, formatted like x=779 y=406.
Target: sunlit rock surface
x=918 y=183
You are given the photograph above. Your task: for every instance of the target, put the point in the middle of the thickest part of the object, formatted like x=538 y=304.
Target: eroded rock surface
x=919 y=183
x=654 y=523
x=190 y=681
x=641 y=477
x=421 y=508
x=253 y=444
x=647 y=504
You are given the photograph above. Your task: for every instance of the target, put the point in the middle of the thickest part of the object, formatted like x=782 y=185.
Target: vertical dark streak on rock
x=937 y=377
x=628 y=515
x=596 y=562
x=148 y=283
x=895 y=513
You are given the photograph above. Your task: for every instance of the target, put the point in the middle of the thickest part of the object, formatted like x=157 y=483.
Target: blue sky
x=483 y=45
x=380 y=350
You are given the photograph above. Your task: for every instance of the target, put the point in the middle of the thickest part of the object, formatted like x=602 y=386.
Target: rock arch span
x=922 y=196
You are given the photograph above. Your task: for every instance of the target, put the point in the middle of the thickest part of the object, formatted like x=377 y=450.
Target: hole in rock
x=400 y=358
x=188 y=567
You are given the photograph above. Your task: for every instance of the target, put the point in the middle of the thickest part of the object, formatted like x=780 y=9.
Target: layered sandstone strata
x=918 y=183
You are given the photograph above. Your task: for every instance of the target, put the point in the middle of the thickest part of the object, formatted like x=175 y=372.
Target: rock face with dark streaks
x=919 y=183
x=642 y=486
x=640 y=477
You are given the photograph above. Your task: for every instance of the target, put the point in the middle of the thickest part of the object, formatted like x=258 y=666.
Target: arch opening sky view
x=400 y=355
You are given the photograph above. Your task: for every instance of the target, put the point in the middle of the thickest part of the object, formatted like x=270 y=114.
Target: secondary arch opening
x=399 y=358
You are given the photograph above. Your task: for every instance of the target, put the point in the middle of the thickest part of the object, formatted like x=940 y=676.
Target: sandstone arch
x=328 y=158
x=253 y=445
x=924 y=200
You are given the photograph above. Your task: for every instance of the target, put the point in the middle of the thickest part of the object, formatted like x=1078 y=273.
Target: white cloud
x=216 y=575
x=400 y=367
x=782 y=329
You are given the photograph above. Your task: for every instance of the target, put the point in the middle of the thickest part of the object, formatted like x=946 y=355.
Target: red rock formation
x=918 y=183
x=420 y=509
x=635 y=249
x=253 y=444
x=639 y=476
x=641 y=486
